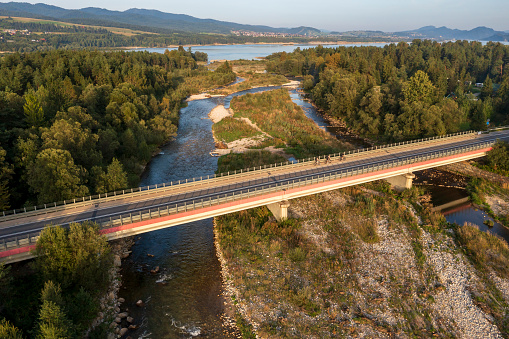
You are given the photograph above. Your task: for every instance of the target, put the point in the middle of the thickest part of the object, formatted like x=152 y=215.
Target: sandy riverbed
x=218 y=113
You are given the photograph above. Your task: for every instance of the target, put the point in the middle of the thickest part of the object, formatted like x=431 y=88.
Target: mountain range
x=443 y=33
x=151 y=20
x=161 y=22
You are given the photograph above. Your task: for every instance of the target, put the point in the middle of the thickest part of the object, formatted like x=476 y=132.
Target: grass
x=116 y=30
x=276 y=114
x=204 y=80
x=479 y=188
x=486 y=249
x=230 y=129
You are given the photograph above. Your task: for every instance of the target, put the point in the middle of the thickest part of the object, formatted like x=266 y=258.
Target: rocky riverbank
x=466 y=168
x=363 y=262
x=110 y=304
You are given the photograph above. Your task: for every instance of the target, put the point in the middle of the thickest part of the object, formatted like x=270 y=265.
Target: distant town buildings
x=15 y=31
x=265 y=34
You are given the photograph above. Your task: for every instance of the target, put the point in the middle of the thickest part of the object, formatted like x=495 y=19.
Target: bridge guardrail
x=133 y=192
x=168 y=209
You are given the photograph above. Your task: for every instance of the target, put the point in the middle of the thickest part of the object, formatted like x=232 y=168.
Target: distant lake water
x=250 y=52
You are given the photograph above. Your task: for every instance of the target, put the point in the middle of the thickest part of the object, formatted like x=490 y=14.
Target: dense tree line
x=74 y=123
x=405 y=91
x=58 y=295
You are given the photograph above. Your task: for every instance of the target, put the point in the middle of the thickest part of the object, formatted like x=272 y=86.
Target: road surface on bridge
x=22 y=224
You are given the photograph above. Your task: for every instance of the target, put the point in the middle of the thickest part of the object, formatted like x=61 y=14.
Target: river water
x=184 y=299
x=464 y=212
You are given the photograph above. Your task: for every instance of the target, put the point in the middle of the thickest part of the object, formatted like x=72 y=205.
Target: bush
x=75 y=257
x=8 y=331
x=485 y=248
x=230 y=129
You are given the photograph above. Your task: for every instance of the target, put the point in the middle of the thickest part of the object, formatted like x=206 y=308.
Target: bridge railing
x=121 y=194
x=170 y=209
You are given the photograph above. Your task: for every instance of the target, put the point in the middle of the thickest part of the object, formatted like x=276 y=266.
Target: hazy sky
x=341 y=15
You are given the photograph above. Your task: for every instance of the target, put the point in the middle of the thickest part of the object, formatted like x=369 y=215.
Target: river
x=448 y=188
x=184 y=299
x=465 y=211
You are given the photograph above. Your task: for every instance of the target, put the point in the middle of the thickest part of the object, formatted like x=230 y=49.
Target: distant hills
x=152 y=20
x=161 y=22
x=443 y=33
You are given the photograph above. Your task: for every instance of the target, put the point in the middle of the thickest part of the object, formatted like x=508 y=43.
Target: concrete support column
x=401 y=182
x=279 y=210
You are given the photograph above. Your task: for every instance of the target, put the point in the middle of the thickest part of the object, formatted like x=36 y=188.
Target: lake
x=250 y=52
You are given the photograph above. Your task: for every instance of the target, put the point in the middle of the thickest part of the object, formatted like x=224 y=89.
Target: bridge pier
x=401 y=182
x=279 y=210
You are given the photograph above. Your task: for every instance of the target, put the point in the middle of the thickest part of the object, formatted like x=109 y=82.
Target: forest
x=405 y=91
x=74 y=123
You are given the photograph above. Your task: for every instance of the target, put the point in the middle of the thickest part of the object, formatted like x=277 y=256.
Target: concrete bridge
x=144 y=209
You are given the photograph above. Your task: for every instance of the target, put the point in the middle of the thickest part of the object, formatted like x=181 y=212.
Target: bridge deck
x=23 y=225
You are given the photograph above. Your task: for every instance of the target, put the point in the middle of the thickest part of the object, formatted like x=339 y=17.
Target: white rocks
x=140 y=303
x=455 y=301
x=123 y=331
x=123 y=315
x=121 y=300
x=130 y=320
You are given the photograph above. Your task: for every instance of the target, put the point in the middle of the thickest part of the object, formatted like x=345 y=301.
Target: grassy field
x=230 y=129
x=276 y=114
x=116 y=30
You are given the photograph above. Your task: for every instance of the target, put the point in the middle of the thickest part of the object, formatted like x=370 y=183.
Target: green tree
x=419 y=88
x=487 y=88
x=479 y=117
x=5 y=175
x=70 y=136
x=114 y=179
x=55 y=177
x=225 y=68
x=75 y=257
x=498 y=157
x=34 y=113
x=53 y=323
x=52 y=292
x=8 y=331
